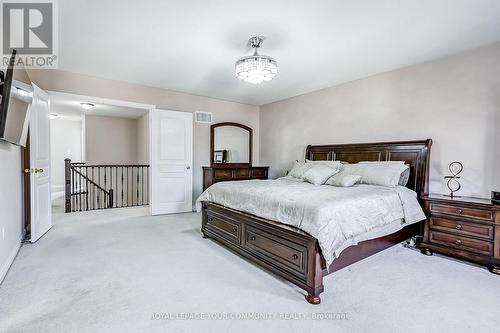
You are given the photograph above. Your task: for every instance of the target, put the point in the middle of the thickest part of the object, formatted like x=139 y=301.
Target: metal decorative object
x=453 y=184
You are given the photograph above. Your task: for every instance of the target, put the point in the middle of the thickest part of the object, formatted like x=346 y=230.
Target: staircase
x=92 y=187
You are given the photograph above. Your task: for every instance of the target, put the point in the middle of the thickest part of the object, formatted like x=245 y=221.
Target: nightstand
x=462 y=227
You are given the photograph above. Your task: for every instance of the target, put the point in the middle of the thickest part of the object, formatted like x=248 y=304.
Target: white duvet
x=335 y=216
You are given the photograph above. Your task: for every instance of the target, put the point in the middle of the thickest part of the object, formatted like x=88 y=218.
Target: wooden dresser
x=462 y=227
x=213 y=175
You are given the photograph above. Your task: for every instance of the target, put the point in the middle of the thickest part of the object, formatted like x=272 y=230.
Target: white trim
x=10 y=260
x=83 y=156
x=100 y=100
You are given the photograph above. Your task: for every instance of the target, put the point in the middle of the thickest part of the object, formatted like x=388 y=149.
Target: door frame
x=26 y=151
x=114 y=102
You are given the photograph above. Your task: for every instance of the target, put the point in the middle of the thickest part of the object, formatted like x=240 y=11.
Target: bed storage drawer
x=287 y=255
x=462 y=228
x=461 y=211
x=224 y=227
x=462 y=243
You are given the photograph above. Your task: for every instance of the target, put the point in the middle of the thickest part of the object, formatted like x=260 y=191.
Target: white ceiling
x=191 y=45
x=69 y=107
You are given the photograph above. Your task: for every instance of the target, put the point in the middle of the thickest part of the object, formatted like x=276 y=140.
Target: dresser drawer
x=259 y=173
x=223 y=174
x=224 y=227
x=462 y=228
x=242 y=173
x=280 y=252
x=459 y=211
x=461 y=243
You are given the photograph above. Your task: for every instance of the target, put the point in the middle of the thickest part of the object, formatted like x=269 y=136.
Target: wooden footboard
x=288 y=252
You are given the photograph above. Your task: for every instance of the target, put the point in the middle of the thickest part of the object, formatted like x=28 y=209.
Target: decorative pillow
x=330 y=164
x=319 y=174
x=343 y=179
x=298 y=169
x=384 y=174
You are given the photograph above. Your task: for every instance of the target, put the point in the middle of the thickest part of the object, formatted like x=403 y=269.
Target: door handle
x=35 y=170
x=188 y=167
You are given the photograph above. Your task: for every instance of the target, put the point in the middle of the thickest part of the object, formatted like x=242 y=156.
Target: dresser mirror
x=230 y=145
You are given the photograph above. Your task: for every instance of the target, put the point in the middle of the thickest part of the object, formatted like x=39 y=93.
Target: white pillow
x=331 y=164
x=405 y=175
x=319 y=174
x=343 y=179
x=298 y=169
x=382 y=162
x=384 y=174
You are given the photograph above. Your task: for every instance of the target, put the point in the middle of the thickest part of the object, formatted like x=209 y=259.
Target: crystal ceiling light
x=256 y=68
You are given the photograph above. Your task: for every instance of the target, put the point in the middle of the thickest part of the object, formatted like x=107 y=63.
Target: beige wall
x=61 y=81
x=455 y=101
x=110 y=140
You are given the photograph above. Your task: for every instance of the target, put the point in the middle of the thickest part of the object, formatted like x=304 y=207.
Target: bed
x=265 y=221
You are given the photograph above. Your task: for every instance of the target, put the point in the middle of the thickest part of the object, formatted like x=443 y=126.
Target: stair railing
x=90 y=187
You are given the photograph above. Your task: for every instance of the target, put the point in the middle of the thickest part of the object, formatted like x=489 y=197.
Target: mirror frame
x=212 y=146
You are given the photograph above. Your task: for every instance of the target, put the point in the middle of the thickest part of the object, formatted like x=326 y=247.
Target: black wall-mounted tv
x=17 y=95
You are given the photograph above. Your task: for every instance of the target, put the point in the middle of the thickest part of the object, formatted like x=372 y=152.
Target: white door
x=41 y=215
x=171 y=161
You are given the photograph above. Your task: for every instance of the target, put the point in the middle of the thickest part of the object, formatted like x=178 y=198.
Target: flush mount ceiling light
x=87 y=106
x=256 y=68
x=53 y=116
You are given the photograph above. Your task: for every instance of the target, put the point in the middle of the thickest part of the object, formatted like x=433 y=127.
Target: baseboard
x=8 y=263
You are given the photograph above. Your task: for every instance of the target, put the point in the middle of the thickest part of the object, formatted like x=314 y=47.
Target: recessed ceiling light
x=53 y=115
x=87 y=106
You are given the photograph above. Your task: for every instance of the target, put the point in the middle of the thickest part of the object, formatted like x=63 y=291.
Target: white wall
x=56 y=80
x=110 y=140
x=455 y=101
x=143 y=139
x=65 y=142
x=11 y=204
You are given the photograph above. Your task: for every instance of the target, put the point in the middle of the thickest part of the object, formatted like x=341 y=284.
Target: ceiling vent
x=203 y=117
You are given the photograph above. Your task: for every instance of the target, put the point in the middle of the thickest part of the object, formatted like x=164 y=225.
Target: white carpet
x=120 y=270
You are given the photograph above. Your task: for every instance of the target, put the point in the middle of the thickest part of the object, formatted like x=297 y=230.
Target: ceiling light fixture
x=256 y=68
x=87 y=106
x=53 y=116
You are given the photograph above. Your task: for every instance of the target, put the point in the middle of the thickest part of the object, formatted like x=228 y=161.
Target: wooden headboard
x=414 y=153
